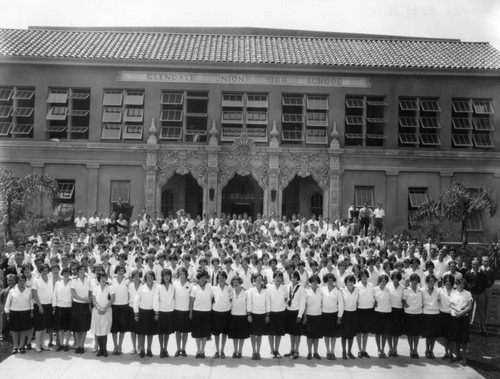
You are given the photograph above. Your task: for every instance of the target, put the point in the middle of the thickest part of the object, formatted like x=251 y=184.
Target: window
x=244 y=112
x=120 y=190
x=472 y=124
x=419 y=122
x=184 y=116
x=317 y=204
x=362 y=195
x=365 y=121
x=68 y=112
x=122 y=115
x=416 y=197
x=305 y=115
x=63 y=212
x=17 y=107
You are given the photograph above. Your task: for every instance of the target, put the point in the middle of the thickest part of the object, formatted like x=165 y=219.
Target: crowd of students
x=237 y=278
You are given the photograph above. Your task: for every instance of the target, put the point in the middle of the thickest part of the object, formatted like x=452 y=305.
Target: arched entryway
x=242 y=194
x=302 y=196
x=182 y=192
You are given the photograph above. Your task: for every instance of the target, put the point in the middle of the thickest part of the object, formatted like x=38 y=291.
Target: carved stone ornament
x=152 y=139
x=243 y=158
x=304 y=165
x=183 y=162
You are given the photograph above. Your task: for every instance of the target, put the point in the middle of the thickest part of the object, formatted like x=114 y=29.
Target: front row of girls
x=323 y=310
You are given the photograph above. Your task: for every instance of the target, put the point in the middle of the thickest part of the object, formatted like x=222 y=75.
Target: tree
x=460 y=203
x=18 y=195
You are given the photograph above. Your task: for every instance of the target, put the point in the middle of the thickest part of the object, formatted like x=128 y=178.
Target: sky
x=467 y=20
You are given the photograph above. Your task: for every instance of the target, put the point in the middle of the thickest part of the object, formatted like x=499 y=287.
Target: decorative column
x=391 y=202
x=333 y=202
x=150 y=168
x=92 y=184
x=272 y=202
x=212 y=193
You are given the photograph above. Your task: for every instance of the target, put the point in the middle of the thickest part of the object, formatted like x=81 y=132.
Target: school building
x=249 y=120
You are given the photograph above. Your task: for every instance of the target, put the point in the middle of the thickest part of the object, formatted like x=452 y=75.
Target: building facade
x=249 y=120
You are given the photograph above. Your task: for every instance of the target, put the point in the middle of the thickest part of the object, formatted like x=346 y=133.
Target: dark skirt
x=166 y=323
x=292 y=327
x=62 y=318
x=430 y=327
x=276 y=325
x=221 y=321
x=201 y=324
x=459 y=332
x=258 y=326
x=20 y=321
x=147 y=324
x=239 y=328
x=412 y=324
x=80 y=317
x=313 y=327
x=121 y=319
x=42 y=321
x=445 y=325
x=133 y=326
x=349 y=326
x=182 y=323
x=329 y=323
x=382 y=323
x=397 y=317
x=365 y=319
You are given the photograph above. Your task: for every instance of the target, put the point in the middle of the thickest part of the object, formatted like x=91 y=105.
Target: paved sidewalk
x=55 y=365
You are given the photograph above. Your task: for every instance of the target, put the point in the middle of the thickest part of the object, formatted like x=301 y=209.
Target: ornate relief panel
x=303 y=165
x=183 y=162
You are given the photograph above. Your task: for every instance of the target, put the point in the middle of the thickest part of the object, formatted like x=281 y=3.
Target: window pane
x=483 y=140
x=5 y=128
x=417 y=197
x=317 y=102
x=57 y=113
x=171 y=132
x=170 y=115
x=5 y=112
x=171 y=98
x=120 y=190
x=408 y=105
x=354 y=103
x=65 y=190
x=462 y=140
x=58 y=96
x=111 y=131
x=293 y=101
x=5 y=94
x=483 y=124
x=112 y=114
x=430 y=105
x=113 y=98
x=461 y=123
x=24 y=94
x=482 y=107
x=134 y=98
x=408 y=138
x=461 y=106
x=362 y=195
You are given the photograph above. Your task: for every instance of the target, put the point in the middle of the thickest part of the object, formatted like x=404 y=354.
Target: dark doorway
x=182 y=192
x=302 y=196
x=242 y=194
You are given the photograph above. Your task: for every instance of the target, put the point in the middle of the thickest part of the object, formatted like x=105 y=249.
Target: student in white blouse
x=382 y=320
x=166 y=293
x=221 y=313
x=396 y=290
x=239 y=329
x=61 y=308
x=258 y=308
x=147 y=312
x=332 y=312
x=200 y=307
x=294 y=313
x=364 y=321
x=312 y=318
x=182 y=323
x=412 y=302
x=120 y=308
x=133 y=288
x=42 y=290
x=430 y=316
x=278 y=296
x=19 y=311
x=444 y=294
x=80 y=309
x=350 y=294
x=461 y=304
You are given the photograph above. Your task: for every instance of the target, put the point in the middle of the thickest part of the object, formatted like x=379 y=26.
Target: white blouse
x=383 y=299
x=82 y=288
x=62 y=295
x=430 y=301
x=258 y=302
x=182 y=295
x=278 y=297
x=333 y=301
x=298 y=299
x=120 y=290
x=459 y=300
x=222 y=298
x=166 y=298
x=202 y=298
x=132 y=292
x=444 y=300
x=396 y=295
x=147 y=298
x=18 y=301
x=44 y=289
x=350 y=299
x=239 y=303
x=414 y=301
x=102 y=296
x=366 y=298
x=314 y=301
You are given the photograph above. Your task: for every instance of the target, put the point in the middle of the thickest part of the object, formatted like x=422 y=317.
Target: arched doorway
x=242 y=194
x=182 y=192
x=302 y=196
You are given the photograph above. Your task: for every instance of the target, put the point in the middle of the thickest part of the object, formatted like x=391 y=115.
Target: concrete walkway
x=55 y=365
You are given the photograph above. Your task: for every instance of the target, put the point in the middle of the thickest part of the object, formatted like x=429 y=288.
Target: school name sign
x=243 y=79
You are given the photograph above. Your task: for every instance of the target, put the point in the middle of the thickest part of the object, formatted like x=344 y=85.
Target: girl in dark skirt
x=182 y=323
x=382 y=320
x=221 y=313
x=200 y=307
x=349 y=320
x=80 y=310
x=312 y=320
x=147 y=313
x=42 y=290
x=166 y=318
x=461 y=304
x=278 y=295
x=62 y=309
x=239 y=329
x=430 y=317
x=295 y=313
x=396 y=290
x=133 y=288
x=364 y=314
x=332 y=312
x=19 y=311
x=258 y=313
x=120 y=309
x=412 y=302
x=445 y=313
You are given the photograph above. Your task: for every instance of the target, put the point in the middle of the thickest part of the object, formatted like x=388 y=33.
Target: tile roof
x=248 y=49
